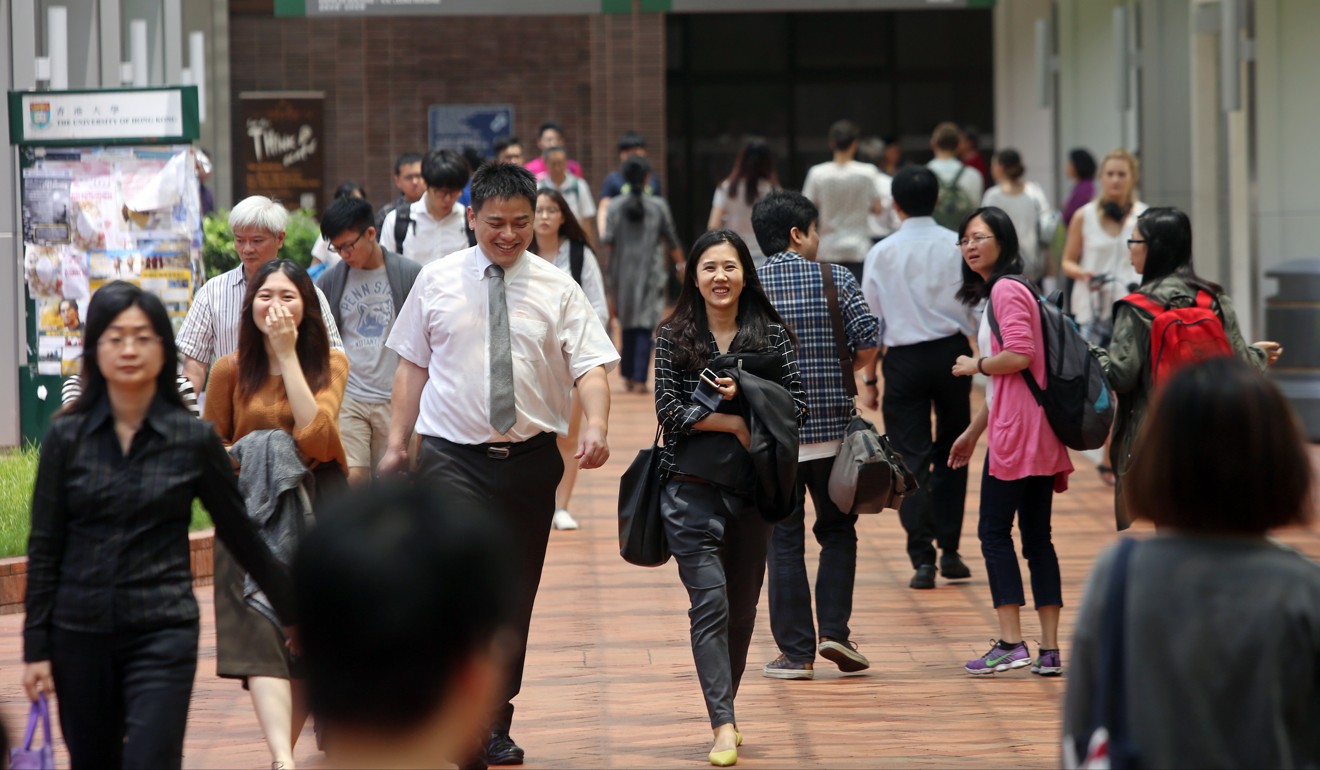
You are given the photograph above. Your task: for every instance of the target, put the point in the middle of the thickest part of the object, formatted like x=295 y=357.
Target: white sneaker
x=564 y=520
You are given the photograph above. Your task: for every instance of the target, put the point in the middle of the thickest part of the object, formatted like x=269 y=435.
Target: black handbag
x=641 y=530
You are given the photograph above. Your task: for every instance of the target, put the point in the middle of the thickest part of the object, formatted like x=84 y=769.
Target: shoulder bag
x=27 y=758
x=868 y=475
x=641 y=529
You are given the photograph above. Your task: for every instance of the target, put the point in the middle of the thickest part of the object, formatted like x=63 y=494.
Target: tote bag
x=27 y=758
x=641 y=530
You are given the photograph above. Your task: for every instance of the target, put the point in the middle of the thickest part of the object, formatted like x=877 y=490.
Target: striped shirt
x=674 y=407
x=210 y=330
x=794 y=287
x=72 y=388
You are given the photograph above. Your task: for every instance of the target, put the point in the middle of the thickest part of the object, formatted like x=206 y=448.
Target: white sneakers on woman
x=563 y=520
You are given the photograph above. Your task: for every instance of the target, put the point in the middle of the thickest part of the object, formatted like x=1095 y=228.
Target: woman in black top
x=112 y=622
x=715 y=532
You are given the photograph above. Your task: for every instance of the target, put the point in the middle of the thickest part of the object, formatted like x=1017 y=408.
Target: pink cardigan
x=1020 y=439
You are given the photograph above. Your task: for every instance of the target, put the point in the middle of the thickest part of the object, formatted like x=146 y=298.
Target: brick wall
x=596 y=75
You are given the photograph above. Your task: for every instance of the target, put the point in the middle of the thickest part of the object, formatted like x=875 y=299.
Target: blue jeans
x=1031 y=498
x=790 y=591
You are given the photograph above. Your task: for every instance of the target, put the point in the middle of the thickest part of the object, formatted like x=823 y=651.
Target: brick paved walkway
x=610 y=681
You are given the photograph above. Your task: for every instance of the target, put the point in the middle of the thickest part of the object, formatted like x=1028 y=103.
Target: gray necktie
x=502 y=411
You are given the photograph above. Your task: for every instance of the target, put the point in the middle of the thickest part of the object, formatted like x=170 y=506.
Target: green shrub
x=18 y=471
x=219 y=254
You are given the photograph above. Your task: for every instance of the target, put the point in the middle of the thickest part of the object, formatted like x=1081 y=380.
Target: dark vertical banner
x=279 y=147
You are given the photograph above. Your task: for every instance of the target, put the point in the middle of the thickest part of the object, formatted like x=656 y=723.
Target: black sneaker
x=925 y=577
x=783 y=668
x=952 y=567
x=844 y=654
x=501 y=750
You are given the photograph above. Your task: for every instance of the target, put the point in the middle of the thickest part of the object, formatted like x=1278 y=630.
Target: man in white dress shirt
x=482 y=446
x=909 y=281
x=437 y=218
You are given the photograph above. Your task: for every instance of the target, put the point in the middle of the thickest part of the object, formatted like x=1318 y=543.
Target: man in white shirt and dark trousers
x=846 y=192
x=785 y=227
x=436 y=226
x=491 y=341
x=909 y=282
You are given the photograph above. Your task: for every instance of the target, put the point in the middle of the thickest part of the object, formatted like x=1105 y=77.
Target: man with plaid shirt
x=785 y=225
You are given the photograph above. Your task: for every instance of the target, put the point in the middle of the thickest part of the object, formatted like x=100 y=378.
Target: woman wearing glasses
x=112 y=623
x=1161 y=252
x=1025 y=462
x=283 y=377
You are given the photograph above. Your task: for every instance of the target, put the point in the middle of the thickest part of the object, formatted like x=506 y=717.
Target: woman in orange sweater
x=285 y=377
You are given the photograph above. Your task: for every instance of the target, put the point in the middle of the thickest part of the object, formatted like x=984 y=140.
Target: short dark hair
x=504 y=181
x=402 y=569
x=1010 y=162
x=406 y=159
x=346 y=214
x=349 y=189
x=775 y=216
x=916 y=190
x=446 y=169
x=1203 y=409
x=974 y=288
x=505 y=143
x=947 y=136
x=1083 y=163
x=843 y=134
x=549 y=125
x=631 y=140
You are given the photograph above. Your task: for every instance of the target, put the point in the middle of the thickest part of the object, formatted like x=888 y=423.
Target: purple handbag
x=26 y=757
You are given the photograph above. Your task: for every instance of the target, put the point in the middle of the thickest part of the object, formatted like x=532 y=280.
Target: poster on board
x=278 y=147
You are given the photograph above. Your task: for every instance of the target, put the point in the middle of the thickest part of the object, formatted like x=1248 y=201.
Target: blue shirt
x=909 y=281
x=793 y=285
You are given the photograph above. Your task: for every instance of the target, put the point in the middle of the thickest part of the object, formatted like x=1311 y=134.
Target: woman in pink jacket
x=1025 y=462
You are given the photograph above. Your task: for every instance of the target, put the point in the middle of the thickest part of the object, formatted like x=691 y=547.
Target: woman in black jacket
x=112 y=623
x=715 y=532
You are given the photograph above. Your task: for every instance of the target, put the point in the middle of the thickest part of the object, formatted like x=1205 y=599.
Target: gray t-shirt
x=368 y=312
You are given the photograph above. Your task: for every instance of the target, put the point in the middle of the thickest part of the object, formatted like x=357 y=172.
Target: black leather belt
x=502 y=450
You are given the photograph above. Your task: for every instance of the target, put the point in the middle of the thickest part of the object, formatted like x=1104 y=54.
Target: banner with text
x=279 y=151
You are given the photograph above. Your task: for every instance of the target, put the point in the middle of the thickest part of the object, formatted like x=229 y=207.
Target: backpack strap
x=1037 y=392
x=1145 y=302
x=957 y=176
x=575 y=259
x=1204 y=299
x=836 y=321
x=402 y=219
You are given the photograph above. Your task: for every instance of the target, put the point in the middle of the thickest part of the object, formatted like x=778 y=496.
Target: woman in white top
x=1025 y=203
x=1096 y=254
x=557 y=237
x=753 y=177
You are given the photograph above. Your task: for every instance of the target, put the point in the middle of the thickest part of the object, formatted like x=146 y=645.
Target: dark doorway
x=788 y=76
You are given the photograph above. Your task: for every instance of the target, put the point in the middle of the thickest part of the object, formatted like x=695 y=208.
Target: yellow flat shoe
x=727 y=758
x=735 y=732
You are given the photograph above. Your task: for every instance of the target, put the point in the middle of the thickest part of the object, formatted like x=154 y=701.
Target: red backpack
x=1181 y=335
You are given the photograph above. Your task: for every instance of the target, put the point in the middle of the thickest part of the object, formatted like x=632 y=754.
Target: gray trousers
x=719 y=542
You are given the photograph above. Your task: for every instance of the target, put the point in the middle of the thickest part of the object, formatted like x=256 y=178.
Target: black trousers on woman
x=124 y=696
x=719 y=542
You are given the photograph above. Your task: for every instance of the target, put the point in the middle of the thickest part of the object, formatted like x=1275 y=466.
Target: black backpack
x=402 y=221
x=1077 y=400
x=576 y=257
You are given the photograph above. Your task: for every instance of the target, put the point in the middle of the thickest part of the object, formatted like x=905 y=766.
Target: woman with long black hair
x=753 y=177
x=637 y=229
x=1161 y=251
x=112 y=623
x=715 y=532
x=284 y=376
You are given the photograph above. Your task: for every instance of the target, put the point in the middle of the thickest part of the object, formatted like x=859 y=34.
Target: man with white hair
x=210 y=329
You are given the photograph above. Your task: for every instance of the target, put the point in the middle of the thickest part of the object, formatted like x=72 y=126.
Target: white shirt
x=554 y=334
x=738 y=212
x=910 y=280
x=210 y=330
x=1104 y=254
x=321 y=253
x=593 y=283
x=844 y=193
x=883 y=225
x=429 y=238
x=578 y=194
x=970 y=181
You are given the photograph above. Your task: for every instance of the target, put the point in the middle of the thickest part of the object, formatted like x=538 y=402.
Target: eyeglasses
x=119 y=342
x=548 y=211
x=346 y=248
x=1135 y=241
x=977 y=239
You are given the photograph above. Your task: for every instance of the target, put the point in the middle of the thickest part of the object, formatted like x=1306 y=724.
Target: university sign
x=145 y=115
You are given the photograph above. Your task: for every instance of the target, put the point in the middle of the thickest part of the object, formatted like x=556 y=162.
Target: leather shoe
x=501 y=750
x=925 y=577
x=952 y=567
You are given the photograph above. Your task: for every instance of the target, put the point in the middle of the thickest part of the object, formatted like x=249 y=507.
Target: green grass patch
x=18 y=471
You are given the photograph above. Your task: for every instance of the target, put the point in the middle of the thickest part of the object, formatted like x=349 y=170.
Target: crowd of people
x=461 y=337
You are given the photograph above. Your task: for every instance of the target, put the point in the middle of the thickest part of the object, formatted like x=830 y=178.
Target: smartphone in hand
x=708 y=392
